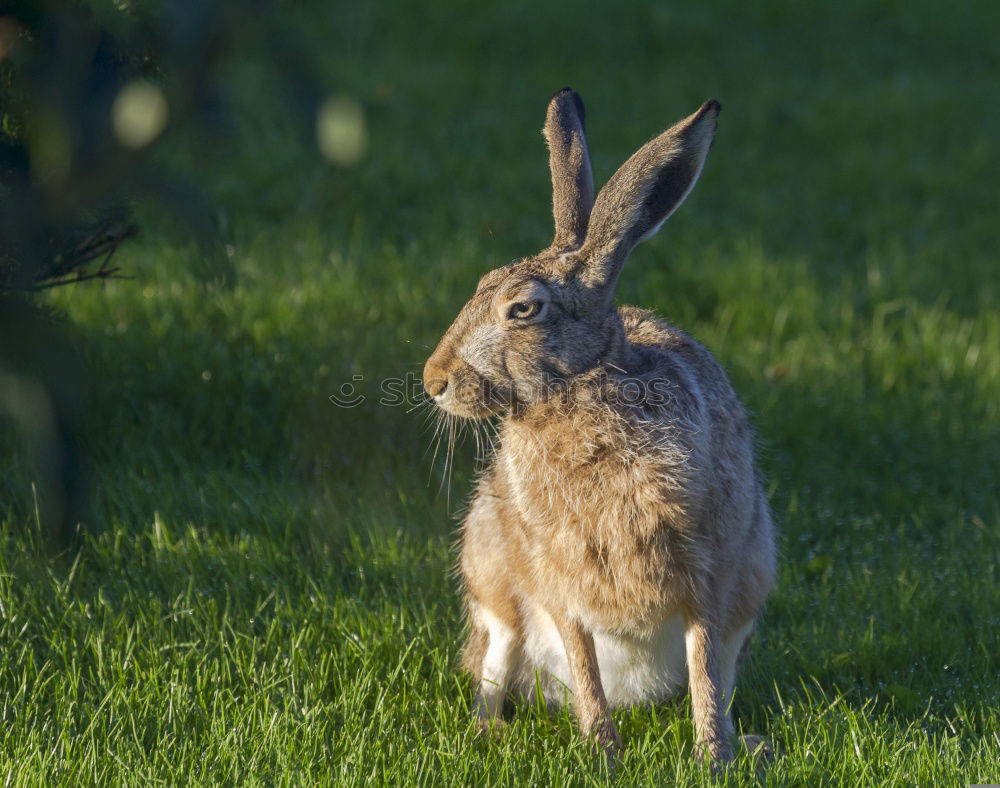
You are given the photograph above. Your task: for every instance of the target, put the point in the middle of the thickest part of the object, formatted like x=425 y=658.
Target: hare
x=620 y=544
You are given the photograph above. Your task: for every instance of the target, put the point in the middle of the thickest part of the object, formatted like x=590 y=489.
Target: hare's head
x=546 y=318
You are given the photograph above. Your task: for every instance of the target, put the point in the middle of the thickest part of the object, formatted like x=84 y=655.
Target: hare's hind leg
x=733 y=649
x=486 y=561
x=713 y=660
x=712 y=726
x=733 y=654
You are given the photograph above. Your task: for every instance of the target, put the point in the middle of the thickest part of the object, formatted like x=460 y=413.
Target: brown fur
x=604 y=516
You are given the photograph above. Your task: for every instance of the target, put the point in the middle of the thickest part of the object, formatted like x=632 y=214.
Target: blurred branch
x=70 y=266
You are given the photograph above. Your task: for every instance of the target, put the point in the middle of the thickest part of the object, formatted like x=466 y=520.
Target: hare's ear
x=643 y=193
x=569 y=161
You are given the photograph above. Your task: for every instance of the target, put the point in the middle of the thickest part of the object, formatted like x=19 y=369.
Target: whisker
x=493 y=433
x=479 y=443
x=449 y=461
x=445 y=427
x=436 y=440
x=451 y=432
x=484 y=445
x=422 y=403
x=426 y=417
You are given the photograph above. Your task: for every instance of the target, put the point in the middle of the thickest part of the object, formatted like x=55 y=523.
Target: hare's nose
x=436 y=374
x=435 y=387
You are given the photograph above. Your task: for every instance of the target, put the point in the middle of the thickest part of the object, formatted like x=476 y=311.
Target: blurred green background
x=260 y=589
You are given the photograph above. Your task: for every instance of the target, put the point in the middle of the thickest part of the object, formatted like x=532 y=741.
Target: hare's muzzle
x=435 y=387
x=459 y=390
x=435 y=376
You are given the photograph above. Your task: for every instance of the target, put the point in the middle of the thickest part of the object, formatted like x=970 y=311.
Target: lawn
x=262 y=591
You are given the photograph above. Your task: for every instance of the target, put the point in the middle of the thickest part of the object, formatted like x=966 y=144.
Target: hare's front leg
x=589 y=700
x=709 y=689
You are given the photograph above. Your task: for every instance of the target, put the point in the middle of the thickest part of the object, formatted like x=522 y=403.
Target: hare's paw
x=759 y=749
x=604 y=734
x=489 y=711
x=716 y=753
x=491 y=727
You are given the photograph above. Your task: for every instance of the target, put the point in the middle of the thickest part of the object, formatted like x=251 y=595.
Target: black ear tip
x=569 y=93
x=711 y=106
x=563 y=95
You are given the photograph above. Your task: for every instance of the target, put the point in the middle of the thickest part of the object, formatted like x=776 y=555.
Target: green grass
x=262 y=592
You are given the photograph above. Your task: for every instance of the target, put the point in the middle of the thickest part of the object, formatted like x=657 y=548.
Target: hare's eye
x=522 y=311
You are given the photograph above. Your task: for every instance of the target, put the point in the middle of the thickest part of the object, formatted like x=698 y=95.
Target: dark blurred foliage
x=88 y=91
